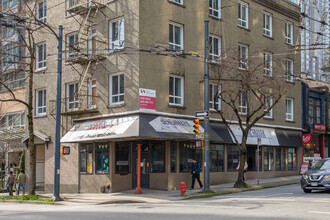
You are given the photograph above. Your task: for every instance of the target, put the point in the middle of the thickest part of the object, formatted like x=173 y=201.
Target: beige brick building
x=130 y=76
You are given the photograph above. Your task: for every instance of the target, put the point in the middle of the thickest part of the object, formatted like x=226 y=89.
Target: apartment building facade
x=130 y=76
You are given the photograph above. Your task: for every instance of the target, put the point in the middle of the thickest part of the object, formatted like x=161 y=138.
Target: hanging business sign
x=306 y=138
x=319 y=127
x=147 y=99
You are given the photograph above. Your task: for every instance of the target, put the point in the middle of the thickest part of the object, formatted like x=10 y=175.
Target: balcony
x=82 y=6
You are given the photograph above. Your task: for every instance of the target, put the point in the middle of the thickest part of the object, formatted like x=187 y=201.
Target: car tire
x=307 y=190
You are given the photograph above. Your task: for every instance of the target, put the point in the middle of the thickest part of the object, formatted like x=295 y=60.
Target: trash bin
x=102 y=189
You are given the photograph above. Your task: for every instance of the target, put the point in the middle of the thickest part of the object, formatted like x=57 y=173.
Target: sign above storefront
x=172 y=125
x=266 y=136
x=306 y=138
x=147 y=99
x=319 y=127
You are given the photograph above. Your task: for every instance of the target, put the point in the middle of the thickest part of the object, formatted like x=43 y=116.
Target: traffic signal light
x=196 y=126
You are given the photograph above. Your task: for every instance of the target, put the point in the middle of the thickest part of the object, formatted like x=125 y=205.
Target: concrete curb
x=29 y=202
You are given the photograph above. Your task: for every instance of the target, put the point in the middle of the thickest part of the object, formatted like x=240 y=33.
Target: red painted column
x=138 y=189
x=322 y=146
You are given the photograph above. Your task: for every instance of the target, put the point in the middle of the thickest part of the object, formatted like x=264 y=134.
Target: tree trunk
x=240 y=183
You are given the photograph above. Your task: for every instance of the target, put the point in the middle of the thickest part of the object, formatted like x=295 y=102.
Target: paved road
x=286 y=202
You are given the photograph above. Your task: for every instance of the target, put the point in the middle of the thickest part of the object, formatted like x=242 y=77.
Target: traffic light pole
x=206 y=109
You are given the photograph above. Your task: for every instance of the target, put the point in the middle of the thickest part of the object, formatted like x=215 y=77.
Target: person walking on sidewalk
x=195 y=172
x=10 y=182
x=21 y=182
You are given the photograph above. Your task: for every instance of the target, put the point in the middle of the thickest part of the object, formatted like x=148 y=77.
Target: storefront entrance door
x=145 y=166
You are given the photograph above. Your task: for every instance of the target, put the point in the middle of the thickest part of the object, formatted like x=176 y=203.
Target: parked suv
x=317 y=178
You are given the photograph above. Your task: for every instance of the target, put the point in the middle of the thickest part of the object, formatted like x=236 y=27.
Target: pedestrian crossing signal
x=65 y=150
x=196 y=126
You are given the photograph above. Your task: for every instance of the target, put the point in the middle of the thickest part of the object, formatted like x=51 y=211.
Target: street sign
x=201 y=114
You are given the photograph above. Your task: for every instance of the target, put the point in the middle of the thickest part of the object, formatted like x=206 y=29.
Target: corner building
x=130 y=76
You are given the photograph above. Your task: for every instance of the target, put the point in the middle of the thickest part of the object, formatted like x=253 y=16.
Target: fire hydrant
x=183 y=188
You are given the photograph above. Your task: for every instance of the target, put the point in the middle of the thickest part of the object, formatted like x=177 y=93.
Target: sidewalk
x=159 y=196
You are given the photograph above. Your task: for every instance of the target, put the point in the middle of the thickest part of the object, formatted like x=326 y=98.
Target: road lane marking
x=318 y=212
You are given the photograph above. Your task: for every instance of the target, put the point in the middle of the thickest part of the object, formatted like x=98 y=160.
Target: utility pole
x=206 y=109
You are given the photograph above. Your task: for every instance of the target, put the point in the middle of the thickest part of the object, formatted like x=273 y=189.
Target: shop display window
x=86 y=158
x=268 y=158
x=173 y=157
x=292 y=158
x=188 y=152
x=122 y=158
x=233 y=157
x=102 y=158
x=158 y=158
x=217 y=158
x=280 y=159
x=252 y=158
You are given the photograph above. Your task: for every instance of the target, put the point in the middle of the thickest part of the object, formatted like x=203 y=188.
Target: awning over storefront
x=289 y=138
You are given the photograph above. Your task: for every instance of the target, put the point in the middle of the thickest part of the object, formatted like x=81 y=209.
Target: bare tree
x=250 y=88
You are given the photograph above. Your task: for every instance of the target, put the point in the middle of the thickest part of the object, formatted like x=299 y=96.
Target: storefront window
x=102 y=158
x=86 y=158
x=188 y=152
x=122 y=158
x=252 y=158
x=158 y=158
x=280 y=159
x=268 y=158
x=233 y=157
x=292 y=159
x=217 y=158
x=173 y=157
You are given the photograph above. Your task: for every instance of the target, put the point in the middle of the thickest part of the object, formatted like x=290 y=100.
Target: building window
x=215 y=49
x=173 y=157
x=9 y=55
x=102 y=158
x=268 y=158
x=242 y=103
x=289 y=70
x=268 y=102
x=12 y=120
x=8 y=31
x=314 y=111
x=292 y=159
x=215 y=8
x=217 y=158
x=289 y=109
x=92 y=94
x=176 y=90
x=268 y=25
x=41 y=11
x=268 y=64
x=12 y=80
x=243 y=56
x=233 y=153
x=177 y=1
x=72 y=42
x=86 y=158
x=71 y=3
x=116 y=89
x=188 y=152
x=117 y=34
x=175 y=36
x=215 y=95
x=91 y=44
x=41 y=102
x=243 y=15
x=289 y=33
x=9 y=3
x=158 y=158
x=122 y=158
x=280 y=159
x=41 y=56
x=72 y=96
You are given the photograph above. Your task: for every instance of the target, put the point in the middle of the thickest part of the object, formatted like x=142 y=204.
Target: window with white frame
x=41 y=56
x=268 y=25
x=72 y=96
x=289 y=109
x=41 y=11
x=71 y=3
x=289 y=70
x=215 y=8
x=215 y=49
x=91 y=43
x=12 y=120
x=72 y=41
x=117 y=34
x=215 y=96
x=92 y=94
x=242 y=103
x=177 y=1
x=40 y=102
x=289 y=33
x=268 y=64
x=116 y=95
x=268 y=102
x=8 y=31
x=243 y=16
x=9 y=3
x=175 y=36
x=176 y=90
x=243 y=56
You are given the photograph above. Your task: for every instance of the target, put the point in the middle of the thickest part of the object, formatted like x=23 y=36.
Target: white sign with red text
x=147 y=99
